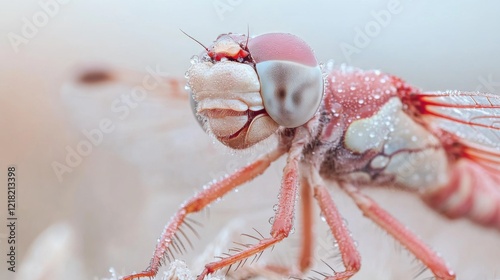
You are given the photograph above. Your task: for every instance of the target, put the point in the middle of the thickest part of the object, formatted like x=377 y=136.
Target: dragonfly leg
x=348 y=251
x=306 y=251
x=200 y=201
x=283 y=219
x=401 y=233
x=305 y=259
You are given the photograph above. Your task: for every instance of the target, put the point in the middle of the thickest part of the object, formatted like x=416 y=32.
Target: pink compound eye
x=281 y=46
x=290 y=77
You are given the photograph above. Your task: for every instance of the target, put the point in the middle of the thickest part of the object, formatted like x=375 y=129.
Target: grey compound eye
x=291 y=91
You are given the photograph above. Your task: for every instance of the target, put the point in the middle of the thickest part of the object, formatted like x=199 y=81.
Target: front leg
x=348 y=251
x=200 y=201
x=283 y=219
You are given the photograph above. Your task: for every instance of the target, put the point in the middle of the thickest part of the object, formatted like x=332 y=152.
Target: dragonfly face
x=269 y=81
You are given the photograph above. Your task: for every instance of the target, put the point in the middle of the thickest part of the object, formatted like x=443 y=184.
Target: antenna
x=248 y=36
x=195 y=40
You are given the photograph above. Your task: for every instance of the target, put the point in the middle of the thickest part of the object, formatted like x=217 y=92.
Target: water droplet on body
x=322 y=217
x=194 y=59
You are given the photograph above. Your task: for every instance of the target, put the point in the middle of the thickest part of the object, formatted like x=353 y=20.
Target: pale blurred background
x=109 y=211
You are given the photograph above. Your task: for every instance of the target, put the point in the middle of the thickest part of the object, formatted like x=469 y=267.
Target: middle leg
x=348 y=251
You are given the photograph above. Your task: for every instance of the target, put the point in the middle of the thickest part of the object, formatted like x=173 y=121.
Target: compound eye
x=290 y=77
x=291 y=92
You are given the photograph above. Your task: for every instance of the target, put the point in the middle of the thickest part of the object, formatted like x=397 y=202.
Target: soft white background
x=110 y=210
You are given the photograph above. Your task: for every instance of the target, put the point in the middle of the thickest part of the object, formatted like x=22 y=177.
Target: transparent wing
x=469 y=122
x=146 y=113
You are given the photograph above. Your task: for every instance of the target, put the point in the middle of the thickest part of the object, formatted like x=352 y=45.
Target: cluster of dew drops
x=370 y=88
x=194 y=60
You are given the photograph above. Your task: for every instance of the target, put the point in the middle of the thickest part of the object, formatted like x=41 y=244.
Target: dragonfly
x=340 y=126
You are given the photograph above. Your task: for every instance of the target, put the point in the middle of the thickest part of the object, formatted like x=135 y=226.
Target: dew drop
x=322 y=217
x=361 y=101
x=275 y=208
x=113 y=272
x=330 y=64
x=194 y=59
x=414 y=138
x=376 y=96
x=271 y=220
x=382 y=81
x=372 y=135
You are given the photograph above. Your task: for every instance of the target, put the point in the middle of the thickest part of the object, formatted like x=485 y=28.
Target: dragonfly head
x=244 y=89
